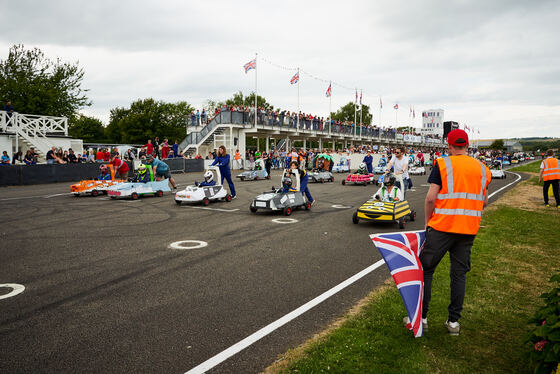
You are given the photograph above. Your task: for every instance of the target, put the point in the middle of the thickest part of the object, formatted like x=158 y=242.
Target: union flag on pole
x=360 y=98
x=250 y=65
x=396 y=106
x=329 y=91
x=401 y=251
x=380 y=103
x=295 y=78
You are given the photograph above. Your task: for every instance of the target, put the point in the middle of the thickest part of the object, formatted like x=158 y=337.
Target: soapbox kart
x=380 y=211
x=497 y=170
x=362 y=179
x=417 y=170
x=258 y=172
x=342 y=166
x=381 y=165
x=136 y=189
x=320 y=171
x=94 y=187
x=204 y=194
x=276 y=199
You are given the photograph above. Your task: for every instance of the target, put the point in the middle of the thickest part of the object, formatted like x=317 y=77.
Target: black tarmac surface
x=105 y=293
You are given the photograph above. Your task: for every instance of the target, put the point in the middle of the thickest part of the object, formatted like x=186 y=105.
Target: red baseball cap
x=458 y=138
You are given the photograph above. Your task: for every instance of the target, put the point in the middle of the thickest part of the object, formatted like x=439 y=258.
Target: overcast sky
x=493 y=65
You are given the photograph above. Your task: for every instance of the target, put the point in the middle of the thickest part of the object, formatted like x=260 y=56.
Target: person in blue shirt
x=160 y=169
x=104 y=175
x=208 y=180
x=368 y=160
x=176 y=149
x=222 y=160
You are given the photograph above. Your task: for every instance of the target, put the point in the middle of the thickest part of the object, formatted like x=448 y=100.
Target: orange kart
x=94 y=186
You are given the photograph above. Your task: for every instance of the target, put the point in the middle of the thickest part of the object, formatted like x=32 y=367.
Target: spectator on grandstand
x=99 y=155
x=176 y=148
x=71 y=157
x=129 y=156
x=106 y=155
x=51 y=156
x=165 y=149
x=9 y=108
x=204 y=116
x=193 y=119
x=17 y=158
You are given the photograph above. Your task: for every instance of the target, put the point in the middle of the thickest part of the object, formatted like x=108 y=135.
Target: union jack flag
x=401 y=251
x=396 y=106
x=295 y=78
x=250 y=65
x=329 y=91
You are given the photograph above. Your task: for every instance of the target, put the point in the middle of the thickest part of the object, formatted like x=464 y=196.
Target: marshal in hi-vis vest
x=551 y=169
x=460 y=201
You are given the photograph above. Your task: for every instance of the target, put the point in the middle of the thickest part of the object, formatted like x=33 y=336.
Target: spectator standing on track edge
x=453 y=209
x=550 y=173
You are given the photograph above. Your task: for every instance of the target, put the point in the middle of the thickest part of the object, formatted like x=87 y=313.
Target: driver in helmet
x=208 y=179
x=104 y=174
x=362 y=169
x=388 y=192
x=142 y=175
x=287 y=185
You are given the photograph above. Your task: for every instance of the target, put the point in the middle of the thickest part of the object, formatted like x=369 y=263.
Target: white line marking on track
x=241 y=345
x=340 y=206
x=58 y=194
x=194 y=244
x=16 y=289
x=507 y=185
x=284 y=220
x=216 y=209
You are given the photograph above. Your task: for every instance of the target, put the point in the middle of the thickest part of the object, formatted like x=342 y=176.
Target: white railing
x=33 y=128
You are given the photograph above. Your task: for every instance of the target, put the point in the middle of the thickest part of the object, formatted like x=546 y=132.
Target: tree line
x=35 y=84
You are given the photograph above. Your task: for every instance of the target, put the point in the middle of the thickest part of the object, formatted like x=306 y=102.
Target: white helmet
x=208 y=176
x=362 y=165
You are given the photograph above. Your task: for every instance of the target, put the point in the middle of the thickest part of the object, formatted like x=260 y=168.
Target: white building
x=432 y=122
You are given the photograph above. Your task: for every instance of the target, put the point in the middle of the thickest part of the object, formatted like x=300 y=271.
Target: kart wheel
x=322 y=181
x=113 y=198
x=227 y=198
x=94 y=193
x=332 y=179
x=365 y=184
x=178 y=202
x=77 y=194
x=104 y=192
x=242 y=178
x=159 y=193
x=343 y=182
x=205 y=201
x=287 y=211
x=268 y=176
x=253 y=209
x=401 y=223
x=307 y=206
x=413 y=216
x=355 y=218
x=134 y=196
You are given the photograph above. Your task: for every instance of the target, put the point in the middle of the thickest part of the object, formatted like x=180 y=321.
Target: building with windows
x=432 y=122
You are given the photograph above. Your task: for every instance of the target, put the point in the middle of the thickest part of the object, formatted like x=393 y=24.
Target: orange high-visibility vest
x=460 y=201
x=551 y=169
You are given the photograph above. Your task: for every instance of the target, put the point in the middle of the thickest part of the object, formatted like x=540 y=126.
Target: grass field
x=514 y=255
x=532 y=167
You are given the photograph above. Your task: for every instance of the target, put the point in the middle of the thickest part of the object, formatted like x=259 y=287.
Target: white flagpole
x=355 y=110
x=298 y=99
x=330 y=106
x=396 y=118
x=256 y=66
x=361 y=109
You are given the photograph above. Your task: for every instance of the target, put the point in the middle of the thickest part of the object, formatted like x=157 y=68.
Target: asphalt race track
x=105 y=292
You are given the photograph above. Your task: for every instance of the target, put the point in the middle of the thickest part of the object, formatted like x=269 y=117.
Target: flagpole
x=355 y=110
x=361 y=109
x=297 y=99
x=330 y=106
x=256 y=66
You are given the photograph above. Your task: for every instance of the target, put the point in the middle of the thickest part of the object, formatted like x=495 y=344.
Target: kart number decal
x=261 y=204
x=283 y=199
x=378 y=204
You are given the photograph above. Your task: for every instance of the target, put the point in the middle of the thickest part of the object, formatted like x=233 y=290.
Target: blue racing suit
x=368 y=160
x=223 y=164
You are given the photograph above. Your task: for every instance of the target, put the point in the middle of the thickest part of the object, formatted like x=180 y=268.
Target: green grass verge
x=514 y=255
x=532 y=167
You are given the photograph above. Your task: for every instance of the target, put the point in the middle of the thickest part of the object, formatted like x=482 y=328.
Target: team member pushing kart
x=388 y=192
x=160 y=169
x=104 y=175
x=304 y=180
x=223 y=164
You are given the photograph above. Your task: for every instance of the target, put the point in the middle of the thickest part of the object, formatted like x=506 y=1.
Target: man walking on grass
x=550 y=173
x=453 y=210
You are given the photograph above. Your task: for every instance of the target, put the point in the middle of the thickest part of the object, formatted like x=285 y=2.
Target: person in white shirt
x=400 y=163
x=388 y=192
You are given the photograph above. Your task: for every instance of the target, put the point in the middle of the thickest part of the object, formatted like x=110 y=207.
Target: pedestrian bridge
x=230 y=128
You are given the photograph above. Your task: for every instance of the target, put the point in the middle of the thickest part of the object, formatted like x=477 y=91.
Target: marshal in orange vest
x=551 y=169
x=460 y=201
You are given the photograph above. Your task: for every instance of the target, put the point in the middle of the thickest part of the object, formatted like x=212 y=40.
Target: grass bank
x=514 y=255
x=532 y=167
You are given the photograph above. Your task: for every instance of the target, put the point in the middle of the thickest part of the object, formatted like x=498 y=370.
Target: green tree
x=89 y=129
x=346 y=113
x=37 y=85
x=497 y=144
x=146 y=119
x=239 y=99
